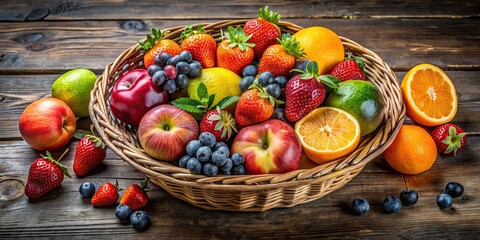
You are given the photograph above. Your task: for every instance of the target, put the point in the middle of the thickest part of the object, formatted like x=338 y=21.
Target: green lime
x=73 y=87
x=362 y=100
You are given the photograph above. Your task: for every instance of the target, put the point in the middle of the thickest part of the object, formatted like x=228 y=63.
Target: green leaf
x=211 y=98
x=202 y=91
x=329 y=81
x=80 y=133
x=227 y=101
x=188 y=104
x=312 y=68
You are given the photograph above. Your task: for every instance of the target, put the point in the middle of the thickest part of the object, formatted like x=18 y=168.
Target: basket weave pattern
x=247 y=192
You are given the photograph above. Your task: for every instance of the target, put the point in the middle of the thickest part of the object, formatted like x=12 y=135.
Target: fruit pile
x=266 y=96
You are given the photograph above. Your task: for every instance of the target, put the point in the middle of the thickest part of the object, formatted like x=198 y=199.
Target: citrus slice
x=429 y=94
x=328 y=133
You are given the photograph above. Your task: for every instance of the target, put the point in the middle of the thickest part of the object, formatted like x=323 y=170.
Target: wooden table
x=81 y=34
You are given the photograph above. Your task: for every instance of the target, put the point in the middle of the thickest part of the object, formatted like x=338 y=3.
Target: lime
x=219 y=81
x=362 y=100
x=73 y=87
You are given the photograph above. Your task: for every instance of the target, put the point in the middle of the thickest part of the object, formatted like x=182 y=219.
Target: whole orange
x=412 y=152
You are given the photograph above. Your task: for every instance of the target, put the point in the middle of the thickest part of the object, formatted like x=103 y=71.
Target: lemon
x=74 y=87
x=219 y=81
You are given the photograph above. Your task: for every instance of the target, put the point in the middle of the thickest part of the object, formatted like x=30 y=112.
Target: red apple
x=165 y=131
x=133 y=95
x=47 y=124
x=271 y=146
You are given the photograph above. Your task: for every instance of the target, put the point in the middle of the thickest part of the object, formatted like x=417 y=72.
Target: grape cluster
x=273 y=85
x=208 y=157
x=174 y=72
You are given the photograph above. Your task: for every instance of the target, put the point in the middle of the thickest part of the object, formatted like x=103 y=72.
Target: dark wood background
x=90 y=34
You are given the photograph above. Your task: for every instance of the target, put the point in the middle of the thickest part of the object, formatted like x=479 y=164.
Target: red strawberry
x=135 y=196
x=350 y=69
x=155 y=45
x=304 y=92
x=264 y=30
x=220 y=123
x=89 y=154
x=254 y=106
x=449 y=138
x=201 y=45
x=235 y=52
x=44 y=175
x=107 y=194
x=280 y=58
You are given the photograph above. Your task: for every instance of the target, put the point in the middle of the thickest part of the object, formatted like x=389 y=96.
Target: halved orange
x=429 y=94
x=328 y=133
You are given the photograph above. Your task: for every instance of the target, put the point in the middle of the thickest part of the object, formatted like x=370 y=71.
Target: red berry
x=220 y=123
x=449 y=138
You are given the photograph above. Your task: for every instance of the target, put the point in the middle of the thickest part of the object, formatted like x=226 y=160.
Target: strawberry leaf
x=227 y=101
x=215 y=117
x=80 y=133
x=188 y=104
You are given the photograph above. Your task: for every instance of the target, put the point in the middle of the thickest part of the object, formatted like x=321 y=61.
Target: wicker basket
x=247 y=192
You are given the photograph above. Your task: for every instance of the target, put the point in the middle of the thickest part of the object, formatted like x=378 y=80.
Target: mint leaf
x=202 y=91
x=210 y=100
x=312 y=68
x=188 y=104
x=227 y=101
x=329 y=81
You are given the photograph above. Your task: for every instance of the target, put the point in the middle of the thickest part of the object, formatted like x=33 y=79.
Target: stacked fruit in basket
x=251 y=102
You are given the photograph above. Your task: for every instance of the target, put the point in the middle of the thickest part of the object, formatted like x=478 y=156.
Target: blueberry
x=159 y=77
x=237 y=159
x=265 y=78
x=227 y=167
x=224 y=150
x=153 y=69
x=238 y=170
x=210 y=170
x=87 y=189
x=249 y=70
x=182 y=68
x=170 y=86
x=360 y=206
x=170 y=71
x=194 y=166
x=246 y=82
x=444 y=201
x=192 y=147
x=207 y=139
x=186 y=56
x=195 y=69
x=281 y=81
x=408 y=197
x=218 y=145
x=392 y=205
x=181 y=80
x=140 y=220
x=227 y=172
x=274 y=90
x=183 y=161
x=174 y=60
x=123 y=212
x=204 y=153
x=454 y=189
x=219 y=157
x=301 y=64
x=163 y=59
x=279 y=113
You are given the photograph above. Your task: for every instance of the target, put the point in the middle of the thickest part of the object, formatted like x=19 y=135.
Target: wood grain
x=151 y=9
x=63 y=213
x=448 y=43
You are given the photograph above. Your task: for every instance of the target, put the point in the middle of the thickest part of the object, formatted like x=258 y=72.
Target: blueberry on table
x=249 y=70
x=123 y=212
x=194 y=166
x=444 y=201
x=207 y=139
x=392 y=205
x=408 y=197
x=140 y=220
x=360 y=206
x=454 y=189
x=192 y=147
x=87 y=189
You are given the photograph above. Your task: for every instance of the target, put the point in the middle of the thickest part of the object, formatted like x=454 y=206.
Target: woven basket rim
x=114 y=133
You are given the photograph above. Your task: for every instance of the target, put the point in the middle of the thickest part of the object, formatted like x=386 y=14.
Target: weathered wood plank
x=16 y=91
x=150 y=9
x=47 y=47
x=63 y=213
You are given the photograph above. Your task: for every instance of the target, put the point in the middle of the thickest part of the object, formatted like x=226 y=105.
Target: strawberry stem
x=238 y=38
x=268 y=15
x=291 y=45
x=57 y=162
x=152 y=39
x=189 y=30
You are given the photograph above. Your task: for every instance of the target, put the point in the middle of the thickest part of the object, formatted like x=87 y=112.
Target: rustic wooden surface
x=90 y=34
